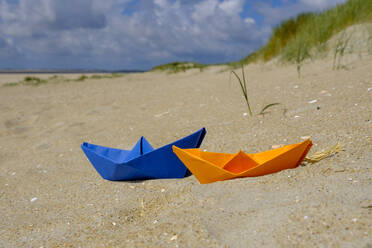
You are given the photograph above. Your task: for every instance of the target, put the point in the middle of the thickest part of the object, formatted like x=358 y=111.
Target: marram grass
x=35 y=81
x=294 y=38
x=179 y=67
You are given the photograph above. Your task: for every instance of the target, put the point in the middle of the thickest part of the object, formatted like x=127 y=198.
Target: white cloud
x=274 y=15
x=96 y=34
x=249 y=20
x=204 y=9
x=120 y=34
x=232 y=7
x=161 y=3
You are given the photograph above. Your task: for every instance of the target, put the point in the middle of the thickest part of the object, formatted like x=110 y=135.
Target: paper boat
x=210 y=167
x=143 y=161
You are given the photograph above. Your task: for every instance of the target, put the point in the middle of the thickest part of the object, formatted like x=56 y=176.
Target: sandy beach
x=51 y=196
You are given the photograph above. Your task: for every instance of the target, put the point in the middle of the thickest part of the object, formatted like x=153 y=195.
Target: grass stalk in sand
x=262 y=112
x=243 y=87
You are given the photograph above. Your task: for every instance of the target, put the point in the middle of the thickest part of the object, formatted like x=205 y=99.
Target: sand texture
x=51 y=196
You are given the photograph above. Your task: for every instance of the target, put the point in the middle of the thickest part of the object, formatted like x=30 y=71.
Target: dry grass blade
x=243 y=87
x=317 y=156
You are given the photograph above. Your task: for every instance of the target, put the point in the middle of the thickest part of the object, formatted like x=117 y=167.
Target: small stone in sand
x=33 y=199
x=174 y=237
x=313 y=101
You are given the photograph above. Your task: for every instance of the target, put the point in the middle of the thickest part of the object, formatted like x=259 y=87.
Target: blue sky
x=137 y=34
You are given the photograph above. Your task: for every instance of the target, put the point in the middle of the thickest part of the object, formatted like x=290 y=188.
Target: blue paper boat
x=143 y=161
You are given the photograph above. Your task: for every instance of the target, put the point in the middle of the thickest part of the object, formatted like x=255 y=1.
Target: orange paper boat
x=210 y=167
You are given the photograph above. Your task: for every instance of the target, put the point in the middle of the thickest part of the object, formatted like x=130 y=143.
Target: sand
x=51 y=196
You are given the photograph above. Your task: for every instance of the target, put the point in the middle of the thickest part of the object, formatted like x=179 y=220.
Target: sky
x=137 y=34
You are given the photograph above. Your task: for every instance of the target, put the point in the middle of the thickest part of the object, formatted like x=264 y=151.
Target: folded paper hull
x=210 y=167
x=142 y=162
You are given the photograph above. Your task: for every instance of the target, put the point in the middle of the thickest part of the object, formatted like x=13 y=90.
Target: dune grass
x=81 y=78
x=339 y=49
x=297 y=52
x=176 y=67
x=294 y=38
x=253 y=57
x=97 y=76
x=29 y=80
x=36 y=81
